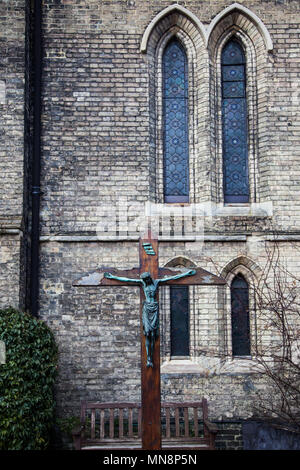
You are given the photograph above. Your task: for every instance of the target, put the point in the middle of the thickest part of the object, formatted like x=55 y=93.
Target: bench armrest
x=212 y=428
x=77 y=434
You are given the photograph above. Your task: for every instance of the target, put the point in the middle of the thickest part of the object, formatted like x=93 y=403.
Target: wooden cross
x=150 y=375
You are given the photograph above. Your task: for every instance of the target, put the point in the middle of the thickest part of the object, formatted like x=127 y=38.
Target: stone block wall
x=229 y=436
x=12 y=80
x=10 y=270
x=12 y=109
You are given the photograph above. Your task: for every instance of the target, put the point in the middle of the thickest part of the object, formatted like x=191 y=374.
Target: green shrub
x=26 y=382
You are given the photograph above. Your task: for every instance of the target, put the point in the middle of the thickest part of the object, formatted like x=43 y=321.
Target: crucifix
x=149 y=276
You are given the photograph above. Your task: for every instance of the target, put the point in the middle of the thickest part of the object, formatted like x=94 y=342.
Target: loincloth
x=150 y=317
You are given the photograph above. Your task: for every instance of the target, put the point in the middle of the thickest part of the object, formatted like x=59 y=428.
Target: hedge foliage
x=26 y=382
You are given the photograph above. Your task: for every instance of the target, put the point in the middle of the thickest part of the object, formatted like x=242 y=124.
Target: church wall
x=12 y=66
x=98 y=147
x=98 y=150
x=10 y=270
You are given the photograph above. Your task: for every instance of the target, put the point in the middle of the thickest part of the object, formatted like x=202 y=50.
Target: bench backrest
x=123 y=420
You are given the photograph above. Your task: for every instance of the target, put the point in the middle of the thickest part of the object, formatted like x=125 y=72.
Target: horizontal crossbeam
x=96 y=278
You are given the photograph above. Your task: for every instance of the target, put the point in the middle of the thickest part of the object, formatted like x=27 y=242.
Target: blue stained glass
x=233 y=72
x=233 y=53
x=234 y=117
x=175 y=97
x=233 y=90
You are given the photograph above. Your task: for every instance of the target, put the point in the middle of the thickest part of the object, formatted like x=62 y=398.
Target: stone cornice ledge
x=135 y=238
x=11 y=231
x=209 y=237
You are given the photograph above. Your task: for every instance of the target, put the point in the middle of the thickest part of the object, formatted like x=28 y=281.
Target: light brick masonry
x=102 y=141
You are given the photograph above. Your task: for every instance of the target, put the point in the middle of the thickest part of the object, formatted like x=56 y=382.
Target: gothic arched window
x=175 y=123
x=234 y=124
x=240 y=317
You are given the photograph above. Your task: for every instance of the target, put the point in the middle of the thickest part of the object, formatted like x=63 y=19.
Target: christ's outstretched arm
x=122 y=279
x=191 y=272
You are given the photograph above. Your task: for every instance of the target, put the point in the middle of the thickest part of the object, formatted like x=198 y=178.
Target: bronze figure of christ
x=150 y=309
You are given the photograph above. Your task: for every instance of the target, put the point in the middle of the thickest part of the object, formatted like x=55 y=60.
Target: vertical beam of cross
x=150 y=376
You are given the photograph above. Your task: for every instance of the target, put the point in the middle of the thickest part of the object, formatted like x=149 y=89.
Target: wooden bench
x=115 y=426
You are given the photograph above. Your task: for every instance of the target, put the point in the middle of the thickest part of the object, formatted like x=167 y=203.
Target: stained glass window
x=240 y=317
x=175 y=117
x=234 y=121
x=179 y=297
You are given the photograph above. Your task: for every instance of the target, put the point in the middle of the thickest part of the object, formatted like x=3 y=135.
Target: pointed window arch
x=178 y=316
x=234 y=123
x=175 y=123
x=240 y=316
x=239 y=24
x=180 y=180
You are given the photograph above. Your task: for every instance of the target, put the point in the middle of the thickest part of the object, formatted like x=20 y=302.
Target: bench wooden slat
x=196 y=430
x=107 y=405
x=177 y=428
x=121 y=422
x=168 y=427
x=93 y=422
x=186 y=422
x=111 y=423
x=101 y=424
x=130 y=423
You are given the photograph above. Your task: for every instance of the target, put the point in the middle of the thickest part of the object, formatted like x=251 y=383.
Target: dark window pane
x=240 y=317
x=234 y=125
x=175 y=98
x=179 y=296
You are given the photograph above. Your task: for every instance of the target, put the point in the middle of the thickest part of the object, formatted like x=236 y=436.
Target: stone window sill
x=211 y=366
x=180 y=366
x=247 y=209
x=253 y=209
